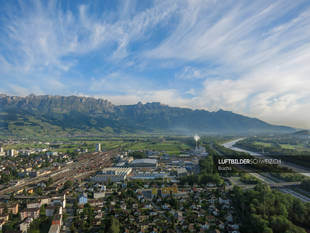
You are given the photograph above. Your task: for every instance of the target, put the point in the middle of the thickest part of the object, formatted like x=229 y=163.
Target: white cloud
x=189 y=72
x=268 y=61
x=44 y=35
x=260 y=52
x=273 y=92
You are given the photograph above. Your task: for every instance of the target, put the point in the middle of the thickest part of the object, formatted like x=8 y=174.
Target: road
x=264 y=178
x=295 y=194
x=296 y=168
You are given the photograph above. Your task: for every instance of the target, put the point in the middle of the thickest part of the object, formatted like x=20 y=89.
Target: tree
x=258 y=224
x=68 y=184
x=73 y=229
x=280 y=224
x=114 y=225
x=49 y=181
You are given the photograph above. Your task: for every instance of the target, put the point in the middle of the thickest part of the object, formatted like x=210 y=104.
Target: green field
x=171 y=147
x=263 y=144
x=168 y=145
x=292 y=147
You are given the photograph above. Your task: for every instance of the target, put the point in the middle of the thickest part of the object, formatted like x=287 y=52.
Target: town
x=43 y=190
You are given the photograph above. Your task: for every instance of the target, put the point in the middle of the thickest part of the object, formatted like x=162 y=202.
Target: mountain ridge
x=48 y=114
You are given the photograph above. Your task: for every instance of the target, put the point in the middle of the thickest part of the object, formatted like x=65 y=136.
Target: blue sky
x=249 y=57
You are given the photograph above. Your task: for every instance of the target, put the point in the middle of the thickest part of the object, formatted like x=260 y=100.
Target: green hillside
x=60 y=115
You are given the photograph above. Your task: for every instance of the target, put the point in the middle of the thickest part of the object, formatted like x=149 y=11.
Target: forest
x=263 y=210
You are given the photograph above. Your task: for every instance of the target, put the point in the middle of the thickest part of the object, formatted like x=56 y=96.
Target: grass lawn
x=263 y=144
x=171 y=147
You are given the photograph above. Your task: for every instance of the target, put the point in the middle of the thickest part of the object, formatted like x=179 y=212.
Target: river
x=299 y=169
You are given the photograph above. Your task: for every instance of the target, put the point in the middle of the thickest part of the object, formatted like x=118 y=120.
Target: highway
x=264 y=178
x=296 y=168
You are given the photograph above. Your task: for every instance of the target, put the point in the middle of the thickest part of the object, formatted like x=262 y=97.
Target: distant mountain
x=60 y=115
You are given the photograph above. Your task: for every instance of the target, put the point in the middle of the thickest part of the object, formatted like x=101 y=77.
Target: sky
x=249 y=57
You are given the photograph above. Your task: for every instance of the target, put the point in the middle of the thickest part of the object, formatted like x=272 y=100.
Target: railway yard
x=86 y=165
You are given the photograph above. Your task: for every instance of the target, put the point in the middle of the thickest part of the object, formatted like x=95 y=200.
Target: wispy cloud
x=248 y=57
x=265 y=47
x=189 y=72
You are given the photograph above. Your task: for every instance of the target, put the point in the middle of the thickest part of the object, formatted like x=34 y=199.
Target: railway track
x=86 y=165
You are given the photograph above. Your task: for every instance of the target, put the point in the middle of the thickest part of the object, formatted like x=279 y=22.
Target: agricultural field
x=285 y=144
x=170 y=145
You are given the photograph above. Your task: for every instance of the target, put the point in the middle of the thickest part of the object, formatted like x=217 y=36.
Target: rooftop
x=138 y=161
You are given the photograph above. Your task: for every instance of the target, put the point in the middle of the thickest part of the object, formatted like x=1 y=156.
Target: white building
x=98 y=195
x=98 y=147
x=181 y=171
x=24 y=226
x=113 y=174
x=12 y=153
x=2 y=153
x=52 y=153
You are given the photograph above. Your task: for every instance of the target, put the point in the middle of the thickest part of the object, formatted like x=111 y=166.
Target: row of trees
x=300 y=156
x=306 y=185
x=8 y=175
x=207 y=173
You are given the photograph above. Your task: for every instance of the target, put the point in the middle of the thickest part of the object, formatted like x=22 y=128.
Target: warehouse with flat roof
x=144 y=163
x=113 y=174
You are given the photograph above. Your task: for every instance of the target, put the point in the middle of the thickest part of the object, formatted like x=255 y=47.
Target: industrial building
x=144 y=163
x=113 y=174
x=12 y=153
x=149 y=175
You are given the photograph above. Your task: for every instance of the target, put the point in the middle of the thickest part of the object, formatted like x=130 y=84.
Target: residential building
x=181 y=171
x=98 y=195
x=2 y=153
x=34 y=205
x=24 y=226
x=31 y=212
x=13 y=208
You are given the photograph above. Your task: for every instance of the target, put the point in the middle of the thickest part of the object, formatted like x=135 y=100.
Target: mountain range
x=75 y=115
